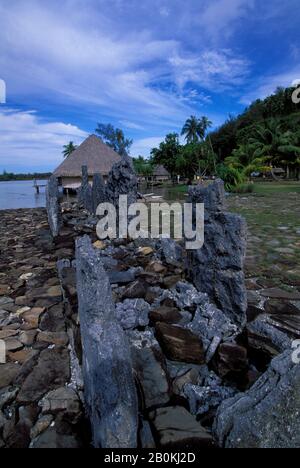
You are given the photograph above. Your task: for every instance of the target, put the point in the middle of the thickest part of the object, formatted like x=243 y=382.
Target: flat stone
x=4 y=289
x=99 y=245
x=8 y=333
x=28 y=337
x=50 y=439
x=13 y=344
x=150 y=368
x=137 y=289
x=41 y=425
x=156 y=267
x=177 y=428
x=180 y=344
x=59 y=339
x=231 y=358
x=54 y=291
x=22 y=356
x=275 y=307
x=52 y=371
x=165 y=314
x=64 y=400
x=5 y=300
x=145 y=250
x=21 y=301
x=8 y=373
x=32 y=317
x=27 y=276
x=277 y=293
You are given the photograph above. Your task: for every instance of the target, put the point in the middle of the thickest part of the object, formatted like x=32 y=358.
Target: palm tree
x=69 y=149
x=193 y=130
x=206 y=124
x=275 y=145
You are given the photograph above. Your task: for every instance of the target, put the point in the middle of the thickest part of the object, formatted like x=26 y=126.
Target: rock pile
x=203 y=376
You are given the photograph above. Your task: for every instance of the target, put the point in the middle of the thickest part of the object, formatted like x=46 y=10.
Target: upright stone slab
x=217 y=268
x=267 y=416
x=53 y=206
x=98 y=191
x=122 y=180
x=109 y=387
x=85 y=192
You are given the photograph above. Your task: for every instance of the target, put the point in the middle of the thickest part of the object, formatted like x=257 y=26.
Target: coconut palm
x=193 y=130
x=206 y=124
x=69 y=149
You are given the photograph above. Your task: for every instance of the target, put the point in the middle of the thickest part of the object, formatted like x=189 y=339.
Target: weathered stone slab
x=178 y=429
x=98 y=191
x=110 y=392
x=122 y=180
x=150 y=368
x=85 y=192
x=180 y=344
x=267 y=416
x=217 y=268
x=53 y=206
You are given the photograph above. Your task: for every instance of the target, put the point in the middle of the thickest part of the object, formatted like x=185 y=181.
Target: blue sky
x=144 y=66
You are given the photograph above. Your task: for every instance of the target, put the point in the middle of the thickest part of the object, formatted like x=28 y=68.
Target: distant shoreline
x=20 y=179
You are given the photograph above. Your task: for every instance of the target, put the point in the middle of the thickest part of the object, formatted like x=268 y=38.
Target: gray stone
x=207 y=396
x=146 y=436
x=98 y=191
x=52 y=371
x=50 y=439
x=53 y=206
x=217 y=268
x=64 y=400
x=133 y=313
x=268 y=415
x=172 y=252
x=85 y=192
x=177 y=428
x=264 y=336
x=110 y=393
x=213 y=327
x=121 y=277
x=122 y=180
x=150 y=368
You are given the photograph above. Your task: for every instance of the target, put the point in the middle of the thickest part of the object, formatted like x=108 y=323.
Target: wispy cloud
x=25 y=139
x=269 y=83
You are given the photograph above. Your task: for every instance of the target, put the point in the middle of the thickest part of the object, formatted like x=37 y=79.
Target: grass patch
x=276 y=187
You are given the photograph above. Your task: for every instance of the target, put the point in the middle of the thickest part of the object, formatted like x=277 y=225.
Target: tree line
x=265 y=136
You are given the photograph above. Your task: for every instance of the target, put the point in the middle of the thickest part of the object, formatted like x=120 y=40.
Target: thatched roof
x=92 y=153
x=161 y=171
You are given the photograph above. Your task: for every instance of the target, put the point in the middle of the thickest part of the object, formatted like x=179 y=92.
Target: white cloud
x=213 y=69
x=143 y=146
x=25 y=140
x=219 y=16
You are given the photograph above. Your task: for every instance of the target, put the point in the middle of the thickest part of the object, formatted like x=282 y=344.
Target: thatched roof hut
x=161 y=173
x=93 y=153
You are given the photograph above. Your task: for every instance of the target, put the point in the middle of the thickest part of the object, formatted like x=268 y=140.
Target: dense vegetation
x=265 y=136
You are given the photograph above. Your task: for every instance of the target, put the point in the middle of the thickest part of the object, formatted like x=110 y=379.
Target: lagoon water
x=21 y=194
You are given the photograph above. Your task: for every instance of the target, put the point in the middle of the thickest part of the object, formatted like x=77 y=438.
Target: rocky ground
x=179 y=391
x=39 y=405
